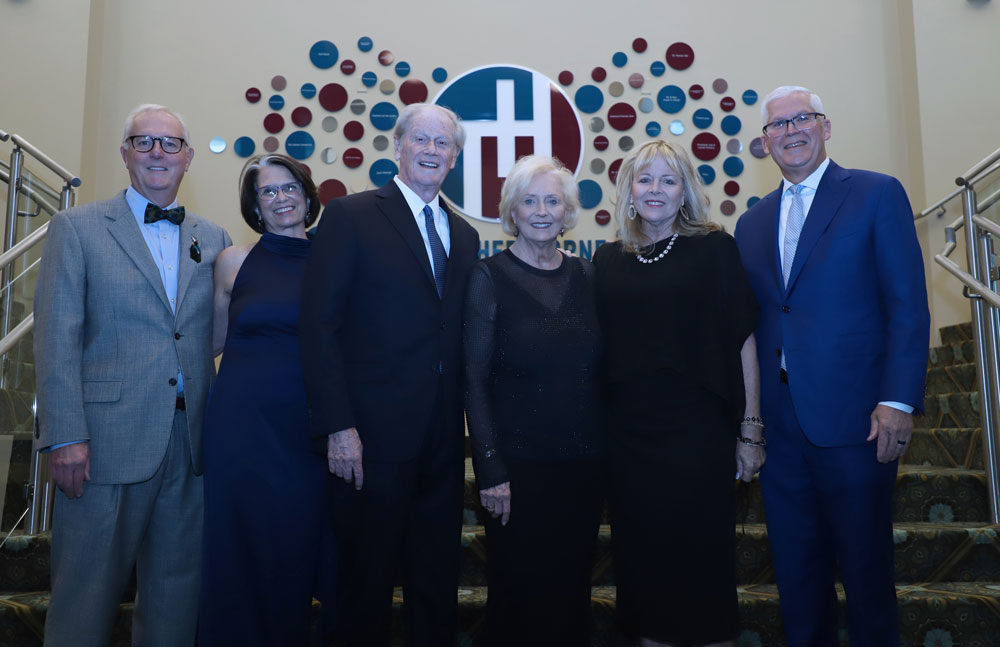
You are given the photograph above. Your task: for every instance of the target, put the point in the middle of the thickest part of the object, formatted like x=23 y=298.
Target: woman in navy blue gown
x=267 y=549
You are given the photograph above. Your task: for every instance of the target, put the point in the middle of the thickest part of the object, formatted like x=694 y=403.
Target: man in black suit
x=381 y=330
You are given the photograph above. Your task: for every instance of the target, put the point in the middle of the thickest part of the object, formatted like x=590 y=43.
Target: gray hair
x=520 y=178
x=154 y=107
x=814 y=101
x=410 y=111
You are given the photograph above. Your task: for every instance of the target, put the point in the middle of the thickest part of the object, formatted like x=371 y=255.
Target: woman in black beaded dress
x=532 y=348
x=677 y=314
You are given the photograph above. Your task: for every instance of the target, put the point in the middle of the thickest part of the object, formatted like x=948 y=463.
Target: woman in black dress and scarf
x=532 y=348
x=681 y=375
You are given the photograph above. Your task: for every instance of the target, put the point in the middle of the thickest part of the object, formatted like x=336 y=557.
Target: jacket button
x=177 y=335
x=172 y=381
x=786 y=309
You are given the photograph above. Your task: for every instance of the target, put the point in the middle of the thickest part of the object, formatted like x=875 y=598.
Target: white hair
x=154 y=107
x=814 y=101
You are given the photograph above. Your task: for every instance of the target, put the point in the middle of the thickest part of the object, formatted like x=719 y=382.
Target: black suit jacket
x=377 y=341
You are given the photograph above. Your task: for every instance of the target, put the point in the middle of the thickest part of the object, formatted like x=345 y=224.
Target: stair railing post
x=7 y=272
x=984 y=331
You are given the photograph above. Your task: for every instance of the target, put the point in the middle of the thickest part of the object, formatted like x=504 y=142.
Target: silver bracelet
x=753 y=443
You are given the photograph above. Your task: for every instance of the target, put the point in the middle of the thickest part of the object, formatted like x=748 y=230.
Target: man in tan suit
x=123 y=351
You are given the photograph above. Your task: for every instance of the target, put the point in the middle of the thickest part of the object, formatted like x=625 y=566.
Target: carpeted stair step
x=924 y=553
x=949 y=447
x=954 y=378
x=956 y=333
x=959 y=352
x=930 y=614
x=950 y=410
x=923 y=494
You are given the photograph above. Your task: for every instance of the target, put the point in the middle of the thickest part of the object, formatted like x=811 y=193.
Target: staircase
x=947 y=553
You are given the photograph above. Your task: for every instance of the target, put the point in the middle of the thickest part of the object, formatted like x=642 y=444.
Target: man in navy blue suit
x=834 y=260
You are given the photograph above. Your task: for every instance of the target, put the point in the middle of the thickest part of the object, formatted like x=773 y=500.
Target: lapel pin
x=195 y=250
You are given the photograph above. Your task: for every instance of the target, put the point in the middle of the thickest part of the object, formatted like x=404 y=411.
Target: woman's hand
x=749 y=460
x=496 y=500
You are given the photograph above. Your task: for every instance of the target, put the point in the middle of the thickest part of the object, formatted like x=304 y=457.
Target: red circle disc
x=621 y=116
x=253 y=95
x=602 y=217
x=565 y=77
x=613 y=170
x=331 y=189
x=302 y=116
x=333 y=97
x=731 y=188
x=353 y=130
x=680 y=56
x=412 y=91
x=353 y=158
x=705 y=146
x=274 y=123
x=599 y=74
x=347 y=67
x=639 y=45
x=601 y=142
x=696 y=91
x=727 y=104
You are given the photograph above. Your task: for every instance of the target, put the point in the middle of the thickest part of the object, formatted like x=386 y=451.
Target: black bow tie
x=155 y=214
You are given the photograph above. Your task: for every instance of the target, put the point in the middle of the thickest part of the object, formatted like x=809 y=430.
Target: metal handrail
x=969 y=176
x=53 y=166
x=39 y=489
x=980 y=286
x=938 y=206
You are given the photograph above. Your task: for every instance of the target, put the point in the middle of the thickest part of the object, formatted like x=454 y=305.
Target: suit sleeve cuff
x=52 y=448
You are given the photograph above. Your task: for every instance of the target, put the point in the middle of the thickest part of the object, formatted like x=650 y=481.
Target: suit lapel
x=833 y=188
x=457 y=241
x=124 y=229
x=186 y=264
x=393 y=205
x=771 y=206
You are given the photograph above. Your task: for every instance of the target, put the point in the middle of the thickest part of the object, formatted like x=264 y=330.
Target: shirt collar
x=414 y=201
x=811 y=182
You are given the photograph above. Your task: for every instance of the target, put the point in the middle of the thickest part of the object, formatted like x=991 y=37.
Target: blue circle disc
x=365 y=44
x=671 y=99
x=369 y=79
x=403 y=68
x=657 y=68
x=323 y=54
x=589 y=98
x=440 y=75
x=619 y=59
x=308 y=90
x=384 y=115
x=733 y=166
x=653 y=128
x=381 y=171
x=300 y=145
x=707 y=174
x=701 y=118
x=590 y=194
x=731 y=124
x=244 y=147
x=750 y=98
x=277 y=102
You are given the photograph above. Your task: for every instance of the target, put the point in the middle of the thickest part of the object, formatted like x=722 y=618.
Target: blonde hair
x=519 y=179
x=692 y=217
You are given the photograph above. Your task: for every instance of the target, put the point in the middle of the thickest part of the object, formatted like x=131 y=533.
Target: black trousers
x=405 y=521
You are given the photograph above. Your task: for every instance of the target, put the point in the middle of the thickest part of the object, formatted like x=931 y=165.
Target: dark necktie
x=438 y=254
x=155 y=214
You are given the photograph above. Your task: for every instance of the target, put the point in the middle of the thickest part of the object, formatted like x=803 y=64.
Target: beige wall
x=893 y=74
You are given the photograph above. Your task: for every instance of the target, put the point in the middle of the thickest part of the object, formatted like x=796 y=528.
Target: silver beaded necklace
x=666 y=250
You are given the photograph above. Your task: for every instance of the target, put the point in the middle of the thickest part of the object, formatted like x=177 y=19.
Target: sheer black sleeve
x=479 y=341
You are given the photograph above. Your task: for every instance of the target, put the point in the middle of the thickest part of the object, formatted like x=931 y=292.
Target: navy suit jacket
x=377 y=341
x=853 y=320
